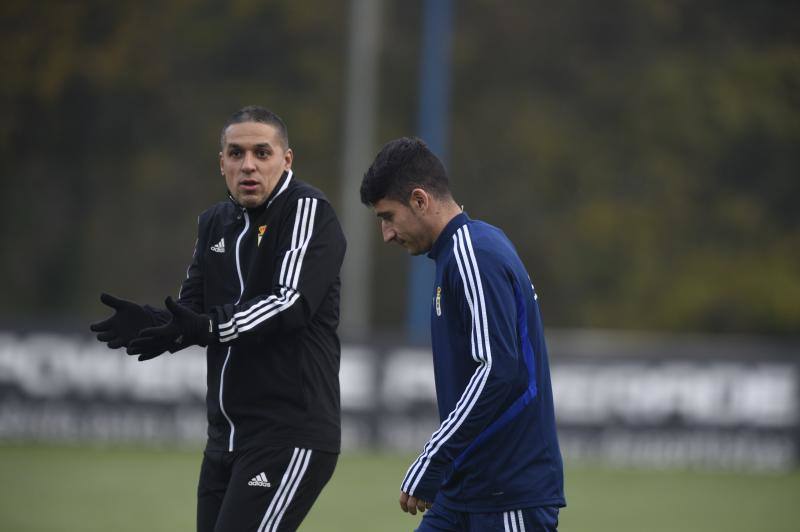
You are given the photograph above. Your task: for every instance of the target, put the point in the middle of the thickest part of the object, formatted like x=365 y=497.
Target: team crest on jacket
x=261 y=230
x=438 y=300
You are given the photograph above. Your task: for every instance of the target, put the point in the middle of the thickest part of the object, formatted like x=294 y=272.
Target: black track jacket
x=269 y=279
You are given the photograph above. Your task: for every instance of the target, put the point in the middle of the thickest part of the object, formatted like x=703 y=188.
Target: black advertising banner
x=661 y=402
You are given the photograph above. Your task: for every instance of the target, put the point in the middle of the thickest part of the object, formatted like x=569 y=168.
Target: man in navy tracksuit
x=262 y=292
x=494 y=463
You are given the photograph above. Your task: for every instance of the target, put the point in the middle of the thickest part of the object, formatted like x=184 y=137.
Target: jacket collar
x=447 y=233
x=280 y=186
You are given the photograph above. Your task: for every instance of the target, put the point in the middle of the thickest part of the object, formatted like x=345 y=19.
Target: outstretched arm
x=308 y=263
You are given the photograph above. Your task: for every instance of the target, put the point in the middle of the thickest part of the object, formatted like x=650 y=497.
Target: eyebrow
x=260 y=145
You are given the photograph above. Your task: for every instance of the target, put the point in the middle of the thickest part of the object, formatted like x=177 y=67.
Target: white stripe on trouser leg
x=283 y=497
x=506 y=528
x=521 y=521
x=281 y=489
x=514 y=522
x=297 y=481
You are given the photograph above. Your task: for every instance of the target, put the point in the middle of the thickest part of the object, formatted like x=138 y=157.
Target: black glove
x=185 y=328
x=124 y=325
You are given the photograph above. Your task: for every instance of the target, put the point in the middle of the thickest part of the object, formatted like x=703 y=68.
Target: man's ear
x=419 y=200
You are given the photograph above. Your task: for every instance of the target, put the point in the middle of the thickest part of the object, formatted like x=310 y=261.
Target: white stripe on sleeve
x=481 y=352
x=289 y=277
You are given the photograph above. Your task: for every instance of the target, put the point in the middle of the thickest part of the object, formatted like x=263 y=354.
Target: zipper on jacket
x=228 y=355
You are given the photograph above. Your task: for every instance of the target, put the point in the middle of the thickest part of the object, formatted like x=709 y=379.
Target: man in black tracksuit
x=262 y=292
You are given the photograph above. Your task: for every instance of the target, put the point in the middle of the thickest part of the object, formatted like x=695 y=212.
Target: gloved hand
x=124 y=325
x=186 y=327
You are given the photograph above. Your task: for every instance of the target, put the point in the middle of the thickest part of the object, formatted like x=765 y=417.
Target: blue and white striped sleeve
x=489 y=318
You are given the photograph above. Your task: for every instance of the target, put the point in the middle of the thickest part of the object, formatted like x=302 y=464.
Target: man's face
x=403 y=225
x=252 y=161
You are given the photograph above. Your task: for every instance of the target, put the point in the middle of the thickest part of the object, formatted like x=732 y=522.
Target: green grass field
x=110 y=489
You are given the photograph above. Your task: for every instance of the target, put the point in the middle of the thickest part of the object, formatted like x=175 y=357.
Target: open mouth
x=248 y=184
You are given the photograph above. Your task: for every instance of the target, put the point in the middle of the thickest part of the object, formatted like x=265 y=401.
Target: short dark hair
x=401 y=166
x=254 y=113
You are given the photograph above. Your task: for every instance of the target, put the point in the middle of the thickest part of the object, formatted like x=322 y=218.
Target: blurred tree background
x=642 y=155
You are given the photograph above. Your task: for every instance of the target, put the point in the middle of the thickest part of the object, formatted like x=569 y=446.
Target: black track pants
x=264 y=490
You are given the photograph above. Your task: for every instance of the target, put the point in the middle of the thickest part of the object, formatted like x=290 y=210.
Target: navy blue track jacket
x=496 y=448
